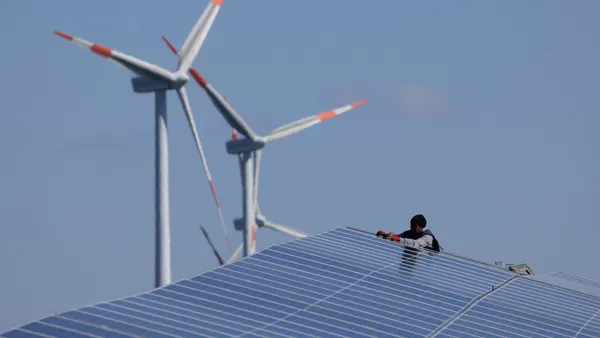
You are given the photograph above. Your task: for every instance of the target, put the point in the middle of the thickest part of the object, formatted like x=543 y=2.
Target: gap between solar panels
x=587 y=323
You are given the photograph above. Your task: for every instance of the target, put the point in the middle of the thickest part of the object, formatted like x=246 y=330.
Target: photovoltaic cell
x=342 y=283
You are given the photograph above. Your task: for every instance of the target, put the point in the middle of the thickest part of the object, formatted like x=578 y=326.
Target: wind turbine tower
x=154 y=79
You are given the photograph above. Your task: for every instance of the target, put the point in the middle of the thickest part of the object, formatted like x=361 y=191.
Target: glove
x=383 y=234
x=393 y=237
x=390 y=235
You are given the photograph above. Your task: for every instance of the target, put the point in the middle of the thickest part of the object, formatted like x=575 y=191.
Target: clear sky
x=481 y=115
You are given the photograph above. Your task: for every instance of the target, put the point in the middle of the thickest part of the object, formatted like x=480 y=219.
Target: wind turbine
x=259 y=219
x=154 y=79
x=249 y=148
x=249 y=153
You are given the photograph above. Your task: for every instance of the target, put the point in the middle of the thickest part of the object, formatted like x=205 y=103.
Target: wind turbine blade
x=137 y=66
x=236 y=253
x=234 y=136
x=281 y=228
x=307 y=122
x=197 y=35
x=240 y=248
x=221 y=262
x=188 y=111
x=171 y=47
x=229 y=114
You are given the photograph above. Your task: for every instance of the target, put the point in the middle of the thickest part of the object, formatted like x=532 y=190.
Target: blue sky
x=481 y=115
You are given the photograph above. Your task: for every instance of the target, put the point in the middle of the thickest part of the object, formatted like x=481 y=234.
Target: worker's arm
x=417 y=243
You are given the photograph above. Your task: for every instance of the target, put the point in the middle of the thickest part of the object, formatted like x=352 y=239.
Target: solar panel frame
x=577 y=279
x=569 y=281
x=342 y=282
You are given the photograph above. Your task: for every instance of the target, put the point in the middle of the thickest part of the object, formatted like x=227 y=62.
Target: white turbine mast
x=249 y=153
x=154 y=79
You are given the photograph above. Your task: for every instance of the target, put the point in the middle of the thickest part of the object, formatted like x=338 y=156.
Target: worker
x=419 y=236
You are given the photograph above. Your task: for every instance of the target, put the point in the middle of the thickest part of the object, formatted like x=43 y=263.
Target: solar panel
x=577 y=279
x=575 y=283
x=339 y=283
x=526 y=308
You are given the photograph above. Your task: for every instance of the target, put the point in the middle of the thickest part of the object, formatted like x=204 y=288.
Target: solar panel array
x=339 y=283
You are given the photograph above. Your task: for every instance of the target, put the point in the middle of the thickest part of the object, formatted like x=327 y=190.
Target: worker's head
x=418 y=223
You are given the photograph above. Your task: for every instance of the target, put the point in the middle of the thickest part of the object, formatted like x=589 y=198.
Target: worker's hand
x=389 y=235
x=393 y=237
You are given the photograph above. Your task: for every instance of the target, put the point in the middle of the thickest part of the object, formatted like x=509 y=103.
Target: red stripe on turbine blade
x=169 y=45
x=359 y=103
x=326 y=115
x=63 y=35
x=331 y=113
x=199 y=79
x=101 y=50
x=214 y=193
x=217 y=2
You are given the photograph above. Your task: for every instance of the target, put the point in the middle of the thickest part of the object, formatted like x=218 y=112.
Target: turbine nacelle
x=244 y=145
x=263 y=222
x=239 y=224
x=146 y=85
x=141 y=84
